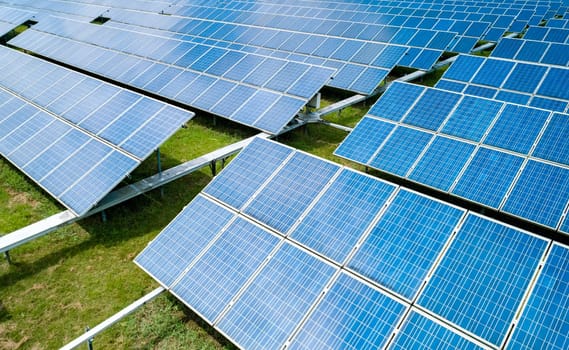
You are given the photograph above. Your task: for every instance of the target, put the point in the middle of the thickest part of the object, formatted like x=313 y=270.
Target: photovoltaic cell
x=464 y=68
x=243 y=177
x=442 y=162
x=168 y=255
x=472 y=118
x=493 y=72
x=364 y=140
x=432 y=108
x=401 y=150
x=396 y=101
x=284 y=290
x=544 y=321
x=212 y=282
x=327 y=229
x=480 y=282
x=517 y=128
x=554 y=144
x=488 y=177
x=403 y=246
x=420 y=332
x=351 y=315
x=309 y=176
x=540 y=194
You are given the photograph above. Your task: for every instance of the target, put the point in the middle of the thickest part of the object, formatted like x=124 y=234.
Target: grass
x=83 y=273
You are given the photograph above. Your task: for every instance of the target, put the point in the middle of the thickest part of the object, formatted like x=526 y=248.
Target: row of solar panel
x=394 y=32
x=311 y=48
x=483 y=156
x=533 y=51
x=547 y=34
x=118 y=116
x=14 y=16
x=102 y=135
x=60 y=7
x=242 y=278
x=419 y=8
x=466 y=24
x=227 y=97
x=558 y=23
x=532 y=84
x=353 y=77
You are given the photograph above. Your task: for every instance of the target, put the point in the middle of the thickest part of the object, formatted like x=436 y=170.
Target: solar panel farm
x=269 y=174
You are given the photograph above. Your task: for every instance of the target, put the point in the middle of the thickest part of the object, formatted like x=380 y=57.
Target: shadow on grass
x=137 y=217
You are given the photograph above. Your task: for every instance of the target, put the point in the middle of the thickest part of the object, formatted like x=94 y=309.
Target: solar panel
x=282 y=215
x=171 y=252
x=481 y=281
x=543 y=321
x=422 y=332
x=353 y=315
x=326 y=230
x=228 y=263
x=533 y=84
x=488 y=177
x=540 y=194
x=289 y=87
x=458 y=164
x=405 y=243
x=284 y=290
x=76 y=164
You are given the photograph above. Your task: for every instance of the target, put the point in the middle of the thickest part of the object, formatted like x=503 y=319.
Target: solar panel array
x=333 y=50
x=75 y=136
x=504 y=156
x=532 y=84
x=548 y=34
x=345 y=260
x=262 y=92
x=533 y=51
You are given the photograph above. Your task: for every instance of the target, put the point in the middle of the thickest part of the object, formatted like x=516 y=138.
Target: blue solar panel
x=540 y=194
x=351 y=315
x=214 y=280
x=544 y=322
x=442 y=163
x=168 y=255
x=523 y=77
x=298 y=183
x=364 y=140
x=555 y=83
x=396 y=101
x=557 y=54
x=413 y=226
x=464 y=68
x=493 y=72
x=421 y=332
x=507 y=48
x=326 y=229
x=517 y=128
x=554 y=144
x=284 y=290
x=480 y=282
x=432 y=108
x=243 y=177
x=488 y=177
x=472 y=118
x=401 y=150
x=532 y=51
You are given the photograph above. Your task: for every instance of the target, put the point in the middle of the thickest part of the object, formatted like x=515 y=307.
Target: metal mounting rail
x=85 y=338
x=45 y=226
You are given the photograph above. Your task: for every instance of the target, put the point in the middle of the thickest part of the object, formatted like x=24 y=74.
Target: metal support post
x=104 y=216
x=213 y=167
x=159 y=166
x=7 y=255
x=223 y=160
x=90 y=340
